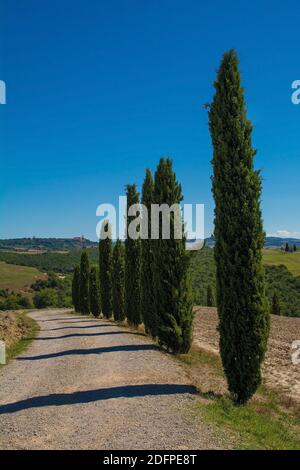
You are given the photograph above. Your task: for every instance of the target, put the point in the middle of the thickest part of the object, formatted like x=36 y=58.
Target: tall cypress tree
x=241 y=299
x=118 y=281
x=171 y=262
x=105 y=266
x=148 y=309
x=76 y=289
x=84 y=283
x=94 y=292
x=132 y=266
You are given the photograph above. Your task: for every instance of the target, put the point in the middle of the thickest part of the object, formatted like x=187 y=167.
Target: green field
x=18 y=277
x=277 y=257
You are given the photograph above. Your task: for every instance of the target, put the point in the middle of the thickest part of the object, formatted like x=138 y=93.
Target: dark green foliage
x=45 y=298
x=14 y=301
x=119 y=281
x=171 y=263
x=275 y=308
x=148 y=309
x=132 y=266
x=294 y=247
x=84 y=283
x=105 y=266
x=76 y=289
x=241 y=299
x=287 y=248
x=25 y=302
x=63 y=286
x=94 y=287
x=210 y=297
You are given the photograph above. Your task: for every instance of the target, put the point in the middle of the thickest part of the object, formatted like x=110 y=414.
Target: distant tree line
x=289 y=248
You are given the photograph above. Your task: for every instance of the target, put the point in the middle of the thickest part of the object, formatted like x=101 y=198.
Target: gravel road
x=86 y=383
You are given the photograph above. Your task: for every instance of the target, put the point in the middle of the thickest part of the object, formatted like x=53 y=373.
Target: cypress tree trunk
x=94 y=292
x=148 y=309
x=210 y=297
x=76 y=289
x=118 y=281
x=172 y=284
x=105 y=266
x=275 y=305
x=132 y=266
x=241 y=299
x=84 y=283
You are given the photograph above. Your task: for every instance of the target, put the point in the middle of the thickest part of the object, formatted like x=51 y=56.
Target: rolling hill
x=66 y=244
x=45 y=244
x=18 y=278
x=282 y=269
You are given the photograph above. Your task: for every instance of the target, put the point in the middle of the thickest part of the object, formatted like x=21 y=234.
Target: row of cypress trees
x=143 y=280
x=156 y=285
x=93 y=290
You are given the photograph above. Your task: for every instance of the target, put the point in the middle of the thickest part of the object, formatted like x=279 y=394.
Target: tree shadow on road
x=82 y=335
x=88 y=396
x=56 y=319
x=94 y=319
x=84 y=352
x=88 y=326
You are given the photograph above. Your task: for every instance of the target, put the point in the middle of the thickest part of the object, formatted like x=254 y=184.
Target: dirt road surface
x=90 y=384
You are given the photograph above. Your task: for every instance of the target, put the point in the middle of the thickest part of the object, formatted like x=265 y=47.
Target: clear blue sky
x=99 y=90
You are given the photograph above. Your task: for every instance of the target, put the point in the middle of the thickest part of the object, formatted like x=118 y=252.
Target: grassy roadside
x=267 y=422
x=30 y=328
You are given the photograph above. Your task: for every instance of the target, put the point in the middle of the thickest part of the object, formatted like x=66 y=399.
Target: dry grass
x=17 y=330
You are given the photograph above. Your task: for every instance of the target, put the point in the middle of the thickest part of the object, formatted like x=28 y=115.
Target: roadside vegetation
x=17 y=330
x=46 y=290
x=267 y=422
